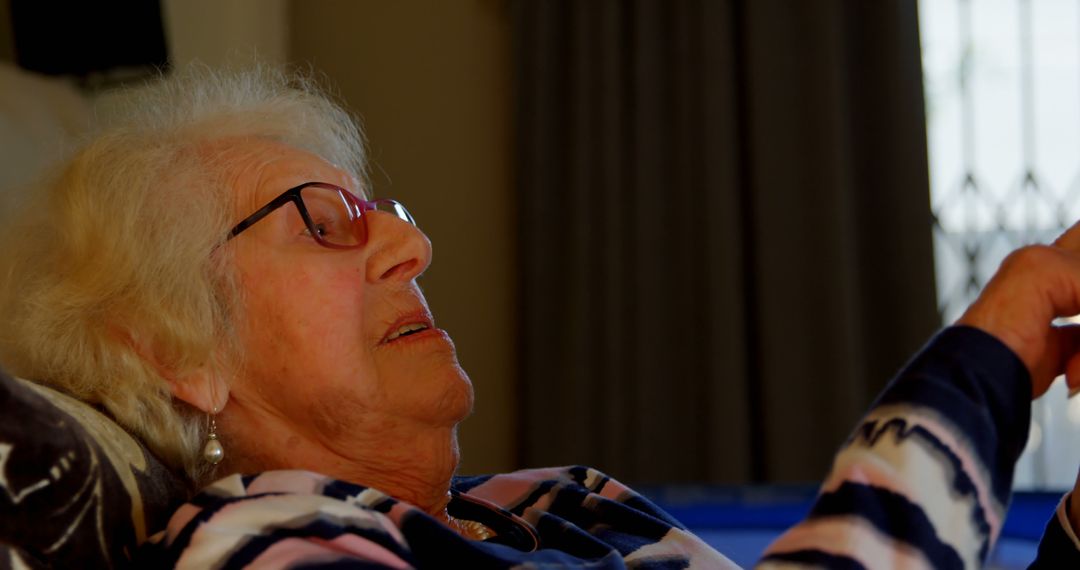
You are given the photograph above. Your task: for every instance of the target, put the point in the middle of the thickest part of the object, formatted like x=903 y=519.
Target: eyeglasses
x=333 y=215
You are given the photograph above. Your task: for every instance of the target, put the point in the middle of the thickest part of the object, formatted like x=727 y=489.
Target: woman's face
x=318 y=324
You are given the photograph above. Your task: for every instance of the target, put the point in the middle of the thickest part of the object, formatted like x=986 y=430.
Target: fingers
x=1042 y=281
x=1070 y=239
x=1068 y=340
x=1034 y=286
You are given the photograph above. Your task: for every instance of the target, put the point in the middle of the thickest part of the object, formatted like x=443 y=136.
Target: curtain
x=724 y=230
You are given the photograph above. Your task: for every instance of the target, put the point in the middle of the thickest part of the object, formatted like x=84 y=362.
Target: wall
x=215 y=31
x=431 y=80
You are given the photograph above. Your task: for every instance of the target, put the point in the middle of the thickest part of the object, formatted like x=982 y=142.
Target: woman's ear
x=202 y=388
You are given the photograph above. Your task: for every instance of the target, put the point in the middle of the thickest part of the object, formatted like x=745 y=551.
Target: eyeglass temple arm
x=262 y=212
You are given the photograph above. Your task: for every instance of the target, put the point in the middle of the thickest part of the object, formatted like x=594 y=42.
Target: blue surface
x=742 y=521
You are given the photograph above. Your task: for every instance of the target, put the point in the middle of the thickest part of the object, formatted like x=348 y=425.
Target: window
x=1002 y=84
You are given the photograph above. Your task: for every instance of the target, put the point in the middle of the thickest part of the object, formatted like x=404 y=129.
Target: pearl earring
x=213 y=452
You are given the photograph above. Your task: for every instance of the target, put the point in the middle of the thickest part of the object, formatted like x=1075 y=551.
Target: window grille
x=1002 y=84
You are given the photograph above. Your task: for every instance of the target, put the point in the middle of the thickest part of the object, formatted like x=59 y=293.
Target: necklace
x=471 y=529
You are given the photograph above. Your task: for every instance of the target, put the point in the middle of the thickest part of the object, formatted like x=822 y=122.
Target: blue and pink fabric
x=923 y=482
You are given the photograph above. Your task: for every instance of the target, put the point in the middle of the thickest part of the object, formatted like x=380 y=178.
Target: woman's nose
x=397 y=250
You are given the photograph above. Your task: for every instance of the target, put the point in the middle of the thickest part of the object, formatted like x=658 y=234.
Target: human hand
x=1035 y=285
x=1074 y=507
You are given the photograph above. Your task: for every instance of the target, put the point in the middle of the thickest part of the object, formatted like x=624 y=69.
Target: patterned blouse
x=923 y=482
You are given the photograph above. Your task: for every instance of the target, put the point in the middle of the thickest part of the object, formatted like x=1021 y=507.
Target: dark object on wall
x=95 y=41
x=726 y=230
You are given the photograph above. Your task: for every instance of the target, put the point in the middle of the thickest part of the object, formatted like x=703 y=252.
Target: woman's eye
x=321 y=230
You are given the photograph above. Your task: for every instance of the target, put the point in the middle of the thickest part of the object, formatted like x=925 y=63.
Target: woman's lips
x=415 y=324
x=406 y=330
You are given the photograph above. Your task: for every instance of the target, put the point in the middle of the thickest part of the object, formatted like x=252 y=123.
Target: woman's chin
x=457 y=401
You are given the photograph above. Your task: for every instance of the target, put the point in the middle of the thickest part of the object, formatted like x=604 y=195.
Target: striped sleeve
x=925 y=478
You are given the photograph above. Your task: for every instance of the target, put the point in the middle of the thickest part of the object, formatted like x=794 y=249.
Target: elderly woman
x=211 y=272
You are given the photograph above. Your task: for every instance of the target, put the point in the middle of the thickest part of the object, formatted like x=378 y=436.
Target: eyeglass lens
x=338 y=219
x=332 y=216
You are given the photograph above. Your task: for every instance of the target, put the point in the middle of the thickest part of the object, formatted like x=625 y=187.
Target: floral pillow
x=76 y=490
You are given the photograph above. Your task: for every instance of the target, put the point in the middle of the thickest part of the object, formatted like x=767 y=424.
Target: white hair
x=117 y=251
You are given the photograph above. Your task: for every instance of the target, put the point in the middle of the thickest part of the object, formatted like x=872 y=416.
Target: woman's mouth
x=406 y=330
x=407 y=325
